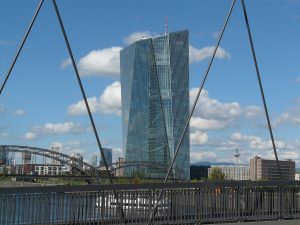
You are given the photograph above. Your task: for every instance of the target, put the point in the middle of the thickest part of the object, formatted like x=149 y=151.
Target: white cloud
x=57 y=144
x=104 y=62
x=197 y=55
x=292 y=117
x=100 y=62
x=79 y=108
x=207 y=124
x=58 y=128
x=283 y=118
x=30 y=135
x=135 y=36
x=110 y=100
x=298 y=80
x=209 y=108
x=19 y=112
x=198 y=138
x=282 y=155
x=211 y=114
x=258 y=143
x=289 y=155
x=65 y=63
x=252 y=111
x=238 y=137
x=202 y=156
x=54 y=128
x=252 y=145
x=108 y=103
x=116 y=153
x=69 y=147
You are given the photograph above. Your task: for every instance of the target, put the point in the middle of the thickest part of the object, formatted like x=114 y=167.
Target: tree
x=216 y=174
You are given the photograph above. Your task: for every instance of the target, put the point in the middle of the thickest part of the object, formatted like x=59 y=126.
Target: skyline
x=229 y=114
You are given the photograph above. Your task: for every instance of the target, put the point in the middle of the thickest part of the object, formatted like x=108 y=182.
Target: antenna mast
x=237 y=155
x=166 y=26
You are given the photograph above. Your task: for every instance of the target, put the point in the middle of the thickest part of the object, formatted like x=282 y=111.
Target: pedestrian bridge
x=181 y=203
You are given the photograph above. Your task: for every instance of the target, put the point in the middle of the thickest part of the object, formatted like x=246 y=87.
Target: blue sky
x=41 y=104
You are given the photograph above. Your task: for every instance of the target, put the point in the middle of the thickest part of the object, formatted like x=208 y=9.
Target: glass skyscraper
x=108 y=157
x=155 y=104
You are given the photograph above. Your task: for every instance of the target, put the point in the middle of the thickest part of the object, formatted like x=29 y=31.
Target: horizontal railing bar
x=274 y=200
x=152 y=186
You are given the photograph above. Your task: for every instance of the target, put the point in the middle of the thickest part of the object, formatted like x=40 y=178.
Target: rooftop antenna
x=166 y=26
x=237 y=155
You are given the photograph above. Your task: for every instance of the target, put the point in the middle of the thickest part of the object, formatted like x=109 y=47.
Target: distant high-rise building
x=94 y=160
x=3 y=157
x=266 y=169
x=108 y=156
x=55 y=148
x=155 y=103
x=26 y=158
x=77 y=160
x=120 y=165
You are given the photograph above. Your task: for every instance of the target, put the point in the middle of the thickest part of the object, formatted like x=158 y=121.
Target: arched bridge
x=74 y=162
x=58 y=156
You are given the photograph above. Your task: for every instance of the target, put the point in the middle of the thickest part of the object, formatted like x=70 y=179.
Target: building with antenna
x=155 y=103
x=236 y=172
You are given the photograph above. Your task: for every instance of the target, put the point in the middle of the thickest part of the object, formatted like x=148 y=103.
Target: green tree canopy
x=216 y=174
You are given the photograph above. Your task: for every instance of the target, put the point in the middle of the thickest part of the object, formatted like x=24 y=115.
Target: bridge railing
x=187 y=203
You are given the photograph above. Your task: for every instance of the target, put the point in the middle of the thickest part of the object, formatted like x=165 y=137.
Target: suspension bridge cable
x=21 y=45
x=261 y=86
x=85 y=101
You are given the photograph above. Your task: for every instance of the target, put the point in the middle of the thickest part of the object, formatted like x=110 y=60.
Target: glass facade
x=108 y=157
x=155 y=104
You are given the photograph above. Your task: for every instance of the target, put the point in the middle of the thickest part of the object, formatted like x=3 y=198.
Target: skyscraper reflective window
x=155 y=104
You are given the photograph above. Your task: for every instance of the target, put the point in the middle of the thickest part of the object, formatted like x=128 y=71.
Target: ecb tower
x=155 y=104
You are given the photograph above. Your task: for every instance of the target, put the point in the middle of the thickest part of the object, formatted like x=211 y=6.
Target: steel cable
x=261 y=86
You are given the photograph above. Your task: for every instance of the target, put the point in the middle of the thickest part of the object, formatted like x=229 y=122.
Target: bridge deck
x=182 y=203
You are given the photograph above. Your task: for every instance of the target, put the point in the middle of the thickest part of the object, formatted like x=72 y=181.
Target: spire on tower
x=166 y=26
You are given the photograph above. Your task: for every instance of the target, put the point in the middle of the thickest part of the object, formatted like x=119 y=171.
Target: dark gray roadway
x=276 y=222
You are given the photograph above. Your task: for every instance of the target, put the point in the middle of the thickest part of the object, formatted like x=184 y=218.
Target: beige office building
x=265 y=169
